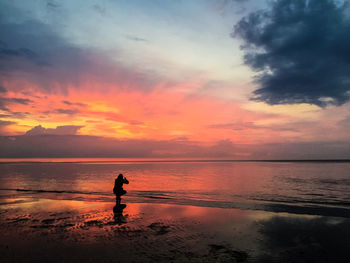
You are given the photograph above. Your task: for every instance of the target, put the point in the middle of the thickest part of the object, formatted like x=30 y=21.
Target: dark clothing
x=119 y=192
x=118 y=186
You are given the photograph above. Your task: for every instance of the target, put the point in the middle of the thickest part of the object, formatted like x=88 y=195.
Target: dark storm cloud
x=301 y=50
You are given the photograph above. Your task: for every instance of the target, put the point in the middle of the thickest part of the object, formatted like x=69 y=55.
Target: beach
x=45 y=230
x=175 y=212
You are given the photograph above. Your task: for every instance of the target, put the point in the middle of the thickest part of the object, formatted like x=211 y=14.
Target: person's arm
x=126 y=181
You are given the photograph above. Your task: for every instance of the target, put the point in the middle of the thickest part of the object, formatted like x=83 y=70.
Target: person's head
x=120 y=176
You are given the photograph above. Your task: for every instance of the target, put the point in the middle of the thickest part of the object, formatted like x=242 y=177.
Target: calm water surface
x=297 y=187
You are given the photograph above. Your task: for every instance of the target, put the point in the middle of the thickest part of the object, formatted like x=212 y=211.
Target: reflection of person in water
x=119 y=218
x=118 y=187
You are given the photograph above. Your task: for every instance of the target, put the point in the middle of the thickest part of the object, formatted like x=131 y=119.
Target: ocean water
x=317 y=188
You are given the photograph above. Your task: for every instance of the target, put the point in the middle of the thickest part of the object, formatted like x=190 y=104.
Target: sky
x=238 y=79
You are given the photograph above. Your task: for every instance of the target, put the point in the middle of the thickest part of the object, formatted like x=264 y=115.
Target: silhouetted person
x=118 y=187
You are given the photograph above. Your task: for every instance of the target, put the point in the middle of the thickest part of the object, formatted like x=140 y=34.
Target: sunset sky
x=238 y=79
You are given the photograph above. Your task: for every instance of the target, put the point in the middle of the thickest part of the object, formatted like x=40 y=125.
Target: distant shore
x=137 y=160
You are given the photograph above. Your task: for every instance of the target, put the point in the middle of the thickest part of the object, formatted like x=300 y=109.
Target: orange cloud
x=164 y=113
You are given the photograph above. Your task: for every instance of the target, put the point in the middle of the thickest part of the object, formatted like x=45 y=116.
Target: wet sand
x=46 y=230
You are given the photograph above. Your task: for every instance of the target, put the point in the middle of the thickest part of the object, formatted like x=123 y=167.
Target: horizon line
x=155 y=160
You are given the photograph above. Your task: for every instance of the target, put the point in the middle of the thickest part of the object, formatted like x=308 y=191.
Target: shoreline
x=89 y=231
x=151 y=197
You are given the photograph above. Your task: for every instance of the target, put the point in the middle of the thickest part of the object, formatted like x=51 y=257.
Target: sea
x=299 y=187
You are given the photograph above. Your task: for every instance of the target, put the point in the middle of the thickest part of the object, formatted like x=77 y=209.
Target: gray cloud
x=345 y=122
x=35 y=50
x=19 y=100
x=5 y=123
x=7 y=53
x=3 y=126
x=5 y=101
x=52 y=4
x=239 y=126
x=67 y=111
x=2 y=90
x=13 y=114
x=136 y=38
x=99 y=9
x=301 y=50
x=41 y=142
x=73 y=103
x=59 y=130
x=235 y=126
